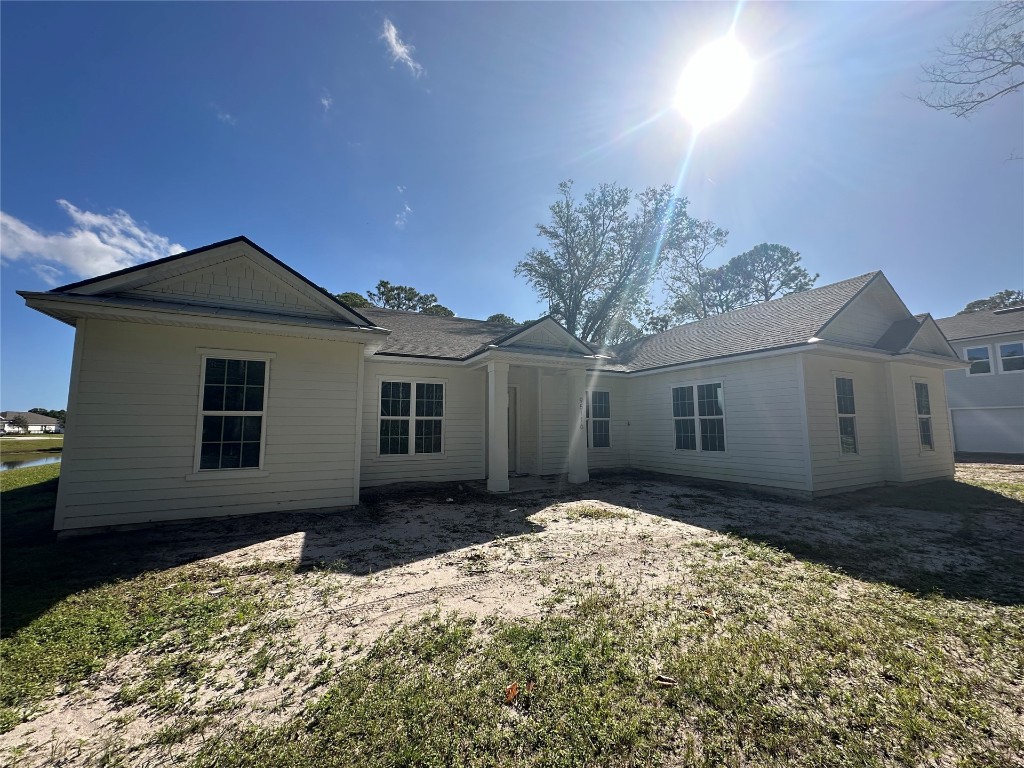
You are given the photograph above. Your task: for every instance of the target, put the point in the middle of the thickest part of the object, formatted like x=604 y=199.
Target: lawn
x=632 y=621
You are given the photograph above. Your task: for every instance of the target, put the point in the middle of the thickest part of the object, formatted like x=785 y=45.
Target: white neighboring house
x=986 y=400
x=37 y=423
x=220 y=381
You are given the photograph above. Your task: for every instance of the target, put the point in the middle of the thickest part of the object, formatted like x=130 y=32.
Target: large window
x=411 y=417
x=979 y=359
x=698 y=410
x=234 y=397
x=846 y=409
x=599 y=415
x=1011 y=357
x=924 y=415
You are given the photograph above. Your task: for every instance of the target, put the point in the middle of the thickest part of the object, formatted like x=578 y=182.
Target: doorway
x=513 y=431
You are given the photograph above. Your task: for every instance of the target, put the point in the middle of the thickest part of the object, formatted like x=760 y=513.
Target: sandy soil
x=409 y=552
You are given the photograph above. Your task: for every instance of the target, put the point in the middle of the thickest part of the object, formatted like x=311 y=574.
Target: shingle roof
x=900 y=334
x=422 y=335
x=783 y=322
x=34 y=419
x=987 y=322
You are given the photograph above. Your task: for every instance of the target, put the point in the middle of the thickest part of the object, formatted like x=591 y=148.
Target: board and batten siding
x=764 y=425
x=617 y=455
x=133 y=434
x=464 y=433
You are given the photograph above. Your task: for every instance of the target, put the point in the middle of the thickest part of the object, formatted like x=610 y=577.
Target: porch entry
x=513 y=431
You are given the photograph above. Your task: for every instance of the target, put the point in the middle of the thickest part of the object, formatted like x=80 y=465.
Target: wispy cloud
x=224 y=116
x=402 y=218
x=326 y=101
x=95 y=244
x=401 y=52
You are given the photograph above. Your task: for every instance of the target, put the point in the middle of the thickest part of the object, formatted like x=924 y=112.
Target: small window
x=1011 y=357
x=234 y=392
x=699 y=410
x=924 y=415
x=978 y=357
x=411 y=410
x=599 y=415
x=846 y=409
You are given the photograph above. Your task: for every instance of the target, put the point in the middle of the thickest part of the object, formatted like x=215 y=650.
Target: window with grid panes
x=234 y=393
x=846 y=410
x=411 y=417
x=599 y=415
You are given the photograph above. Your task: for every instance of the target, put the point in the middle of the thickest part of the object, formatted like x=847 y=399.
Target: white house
x=38 y=423
x=220 y=381
x=986 y=400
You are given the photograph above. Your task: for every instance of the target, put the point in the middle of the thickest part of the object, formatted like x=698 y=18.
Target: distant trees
x=390 y=296
x=19 y=422
x=1001 y=300
x=353 y=299
x=501 y=319
x=60 y=416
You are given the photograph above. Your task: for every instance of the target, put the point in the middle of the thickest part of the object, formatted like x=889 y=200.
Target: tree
x=981 y=64
x=601 y=256
x=769 y=270
x=352 y=299
x=687 y=278
x=439 y=310
x=19 y=422
x=1001 y=300
x=501 y=319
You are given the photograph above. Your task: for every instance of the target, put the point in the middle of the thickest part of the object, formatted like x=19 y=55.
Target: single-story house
x=986 y=399
x=220 y=381
x=38 y=424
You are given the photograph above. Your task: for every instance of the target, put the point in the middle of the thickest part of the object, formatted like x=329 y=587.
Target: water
x=21 y=464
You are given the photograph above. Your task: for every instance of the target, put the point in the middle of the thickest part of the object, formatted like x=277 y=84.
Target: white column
x=577 y=459
x=497 y=427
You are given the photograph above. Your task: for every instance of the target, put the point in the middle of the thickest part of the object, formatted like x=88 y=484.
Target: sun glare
x=714 y=82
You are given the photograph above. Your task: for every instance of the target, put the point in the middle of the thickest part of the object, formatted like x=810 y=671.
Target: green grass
x=590 y=512
x=21 y=449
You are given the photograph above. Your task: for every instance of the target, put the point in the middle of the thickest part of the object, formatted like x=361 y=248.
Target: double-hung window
x=846 y=410
x=411 y=417
x=599 y=419
x=1011 y=357
x=698 y=410
x=233 y=406
x=924 y=415
x=979 y=359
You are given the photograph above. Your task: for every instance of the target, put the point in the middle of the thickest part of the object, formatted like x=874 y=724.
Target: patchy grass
x=593 y=512
x=29 y=496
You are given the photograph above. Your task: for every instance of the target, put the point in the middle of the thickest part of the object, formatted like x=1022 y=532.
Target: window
x=411 y=410
x=234 y=397
x=599 y=414
x=846 y=409
x=978 y=357
x=924 y=415
x=1011 y=357
x=703 y=415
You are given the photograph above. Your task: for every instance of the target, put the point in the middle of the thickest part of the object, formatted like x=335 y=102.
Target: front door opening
x=513 y=432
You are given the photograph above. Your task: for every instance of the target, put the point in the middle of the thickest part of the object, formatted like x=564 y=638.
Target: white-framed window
x=599 y=419
x=233 y=403
x=698 y=414
x=846 y=412
x=980 y=359
x=411 y=417
x=1011 y=357
x=924 y=415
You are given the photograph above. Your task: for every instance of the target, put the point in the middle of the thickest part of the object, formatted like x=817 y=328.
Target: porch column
x=497 y=427
x=577 y=418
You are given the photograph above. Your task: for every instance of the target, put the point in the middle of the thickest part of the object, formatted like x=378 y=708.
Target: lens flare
x=714 y=82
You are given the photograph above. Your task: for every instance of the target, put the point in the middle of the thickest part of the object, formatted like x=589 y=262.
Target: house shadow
x=950 y=538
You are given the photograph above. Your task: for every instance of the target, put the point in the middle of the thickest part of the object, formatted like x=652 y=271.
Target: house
x=37 y=423
x=220 y=381
x=986 y=399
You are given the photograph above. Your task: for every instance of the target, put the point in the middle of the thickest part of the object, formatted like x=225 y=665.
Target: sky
x=422 y=143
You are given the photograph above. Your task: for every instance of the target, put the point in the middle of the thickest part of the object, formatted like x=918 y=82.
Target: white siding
x=617 y=456
x=133 y=433
x=868 y=316
x=464 y=426
x=918 y=463
x=763 y=430
x=554 y=424
x=524 y=379
x=989 y=430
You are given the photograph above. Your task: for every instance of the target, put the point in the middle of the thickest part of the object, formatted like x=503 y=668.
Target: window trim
x=412 y=381
x=697 y=450
x=843 y=455
x=999 y=355
x=227 y=473
x=991 y=366
x=591 y=419
x=921 y=447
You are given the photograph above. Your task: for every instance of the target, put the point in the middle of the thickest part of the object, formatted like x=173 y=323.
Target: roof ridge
x=443 y=317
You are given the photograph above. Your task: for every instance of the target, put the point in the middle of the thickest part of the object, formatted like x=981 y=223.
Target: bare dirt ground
x=346 y=578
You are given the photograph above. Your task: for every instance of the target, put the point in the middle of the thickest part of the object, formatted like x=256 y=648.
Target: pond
x=12 y=463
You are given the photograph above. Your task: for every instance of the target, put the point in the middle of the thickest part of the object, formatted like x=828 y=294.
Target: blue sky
x=421 y=143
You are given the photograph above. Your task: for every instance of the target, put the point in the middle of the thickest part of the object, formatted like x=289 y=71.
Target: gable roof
x=987 y=322
x=33 y=419
x=783 y=322
x=901 y=333
x=414 y=334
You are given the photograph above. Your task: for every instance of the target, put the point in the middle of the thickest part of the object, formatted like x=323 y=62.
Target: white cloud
x=326 y=101
x=400 y=51
x=402 y=217
x=225 y=116
x=95 y=244
x=401 y=189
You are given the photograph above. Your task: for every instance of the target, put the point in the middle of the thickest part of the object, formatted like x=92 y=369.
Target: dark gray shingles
x=421 y=335
x=900 y=334
x=984 y=323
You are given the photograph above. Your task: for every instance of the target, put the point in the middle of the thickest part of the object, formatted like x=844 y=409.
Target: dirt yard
x=339 y=581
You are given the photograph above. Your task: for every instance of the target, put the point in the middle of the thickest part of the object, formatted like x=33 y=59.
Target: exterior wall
x=554 y=424
x=917 y=463
x=134 y=413
x=868 y=316
x=987 y=411
x=617 y=455
x=524 y=379
x=464 y=429
x=764 y=424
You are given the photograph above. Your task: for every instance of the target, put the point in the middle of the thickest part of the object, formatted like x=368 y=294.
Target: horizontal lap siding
x=464 y=450
x=524 y=379
x=763 y=431
x=554 y=425
x=132 y=438
x=991 y=391
x=616 y=456
x=918 y=463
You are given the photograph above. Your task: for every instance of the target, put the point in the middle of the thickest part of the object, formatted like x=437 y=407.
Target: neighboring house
x=37 y=423
x=986 y=400
x=220 y=381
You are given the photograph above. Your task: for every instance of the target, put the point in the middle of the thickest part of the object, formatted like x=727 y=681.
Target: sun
x=714 y=82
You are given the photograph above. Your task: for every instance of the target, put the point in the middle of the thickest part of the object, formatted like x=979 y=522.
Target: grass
x=22 y=449
x=591 y=512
